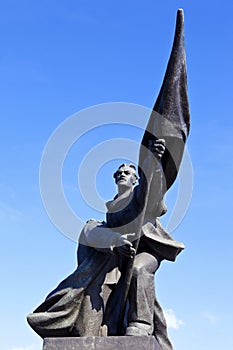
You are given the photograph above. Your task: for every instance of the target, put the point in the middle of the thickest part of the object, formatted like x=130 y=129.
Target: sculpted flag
x=170 y=118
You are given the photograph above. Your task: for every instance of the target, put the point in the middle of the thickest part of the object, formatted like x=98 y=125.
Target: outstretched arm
x=97 y=235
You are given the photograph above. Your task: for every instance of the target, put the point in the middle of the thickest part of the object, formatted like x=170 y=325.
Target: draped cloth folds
x=57 y=316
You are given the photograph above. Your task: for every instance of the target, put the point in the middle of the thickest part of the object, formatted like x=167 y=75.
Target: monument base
x=102 y=343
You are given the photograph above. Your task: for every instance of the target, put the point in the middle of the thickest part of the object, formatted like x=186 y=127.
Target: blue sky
x=58 y=57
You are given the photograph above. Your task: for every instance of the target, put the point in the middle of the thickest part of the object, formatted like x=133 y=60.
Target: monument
x=109 y=301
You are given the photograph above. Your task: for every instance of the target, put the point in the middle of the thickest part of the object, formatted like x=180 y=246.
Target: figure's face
x=125 y=176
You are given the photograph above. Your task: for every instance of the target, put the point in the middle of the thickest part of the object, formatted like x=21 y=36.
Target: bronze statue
x=112 y=290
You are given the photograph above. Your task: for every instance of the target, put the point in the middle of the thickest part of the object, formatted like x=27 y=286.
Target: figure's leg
x=142 y=295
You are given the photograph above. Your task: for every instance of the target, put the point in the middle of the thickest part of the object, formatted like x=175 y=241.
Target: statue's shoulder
x=90 y=225
x=92 y=221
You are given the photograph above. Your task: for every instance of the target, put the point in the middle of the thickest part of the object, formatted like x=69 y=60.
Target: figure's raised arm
x=152 y=172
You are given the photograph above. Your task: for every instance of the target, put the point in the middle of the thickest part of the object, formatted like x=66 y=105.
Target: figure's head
x=125 y=175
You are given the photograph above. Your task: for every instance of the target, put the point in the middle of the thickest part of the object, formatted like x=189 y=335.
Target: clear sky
x=58 y=57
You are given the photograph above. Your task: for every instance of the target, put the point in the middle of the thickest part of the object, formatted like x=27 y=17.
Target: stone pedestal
x=102 y=343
